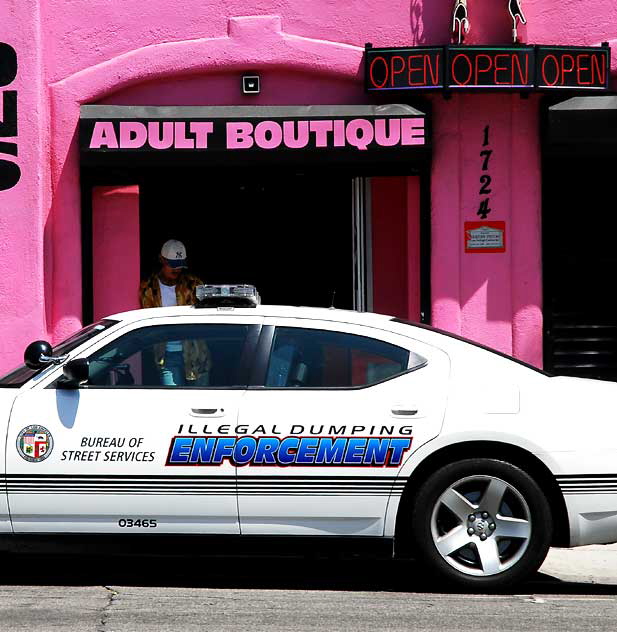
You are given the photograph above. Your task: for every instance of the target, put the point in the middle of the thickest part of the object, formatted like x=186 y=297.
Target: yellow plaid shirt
x=197 y=359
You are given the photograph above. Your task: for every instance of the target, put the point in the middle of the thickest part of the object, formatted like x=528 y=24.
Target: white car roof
x=281 y=311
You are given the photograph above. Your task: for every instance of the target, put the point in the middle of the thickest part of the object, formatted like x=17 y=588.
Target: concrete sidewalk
x=596 y=564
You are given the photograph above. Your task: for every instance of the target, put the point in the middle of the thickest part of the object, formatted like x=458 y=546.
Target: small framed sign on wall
x=485 y=237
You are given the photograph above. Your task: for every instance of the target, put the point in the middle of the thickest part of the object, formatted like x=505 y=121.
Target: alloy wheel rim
x=481 y=525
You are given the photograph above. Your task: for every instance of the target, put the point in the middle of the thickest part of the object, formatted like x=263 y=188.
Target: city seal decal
x=34 y=443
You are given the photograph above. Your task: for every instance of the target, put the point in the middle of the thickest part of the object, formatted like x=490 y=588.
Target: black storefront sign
x=487 y=68
x=241 y=135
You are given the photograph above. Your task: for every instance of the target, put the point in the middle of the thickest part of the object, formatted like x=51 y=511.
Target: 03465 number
x=138 y=523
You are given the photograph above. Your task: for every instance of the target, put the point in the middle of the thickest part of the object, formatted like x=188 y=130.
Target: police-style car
x=237 y=419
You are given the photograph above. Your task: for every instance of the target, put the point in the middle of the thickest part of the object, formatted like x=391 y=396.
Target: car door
x=336 y=412
x=98 y=458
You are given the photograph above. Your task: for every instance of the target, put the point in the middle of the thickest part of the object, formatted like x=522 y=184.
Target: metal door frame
x=362 y=244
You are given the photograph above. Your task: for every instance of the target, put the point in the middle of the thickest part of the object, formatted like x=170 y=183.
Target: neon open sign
x=482 y=67
x=490 y=68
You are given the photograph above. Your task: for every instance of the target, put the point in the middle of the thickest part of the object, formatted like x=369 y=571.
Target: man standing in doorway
x=180 y=362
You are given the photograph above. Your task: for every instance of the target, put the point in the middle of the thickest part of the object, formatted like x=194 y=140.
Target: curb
x=596 y=564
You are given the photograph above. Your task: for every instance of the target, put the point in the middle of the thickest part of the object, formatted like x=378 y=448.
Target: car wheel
x=481 y=523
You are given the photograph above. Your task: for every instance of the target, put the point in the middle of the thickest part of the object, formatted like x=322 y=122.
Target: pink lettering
x=412 y=131
x=201 y=131
x=180 y=140
x=158 y=140
x=293 y=140
x=103 y=134
x=133 y=135
x=339 y=133
x=384 y=138
x=321 y=129
x=268 y=134
x=359 y=133
x=239 y=135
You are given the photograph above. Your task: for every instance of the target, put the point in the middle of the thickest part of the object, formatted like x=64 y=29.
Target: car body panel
x=567 y=423
x=465 y=394
x=108 y=465
x=7 y=399
x=325 y=500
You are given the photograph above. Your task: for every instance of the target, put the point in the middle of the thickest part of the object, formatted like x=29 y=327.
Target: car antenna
x=333 y=295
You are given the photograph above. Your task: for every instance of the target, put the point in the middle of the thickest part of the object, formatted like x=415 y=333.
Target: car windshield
x=20 y=375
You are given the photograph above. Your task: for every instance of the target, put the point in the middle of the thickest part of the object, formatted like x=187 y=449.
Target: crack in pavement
x=112 y=594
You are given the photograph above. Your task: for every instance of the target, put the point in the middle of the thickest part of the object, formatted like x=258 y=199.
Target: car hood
x=7 y=397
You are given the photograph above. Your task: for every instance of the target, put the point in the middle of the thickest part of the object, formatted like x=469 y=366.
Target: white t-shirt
x=168 y=295
x=168 y=299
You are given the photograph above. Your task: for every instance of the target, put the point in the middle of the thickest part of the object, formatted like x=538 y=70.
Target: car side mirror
x=38 y=354
x=76 y=372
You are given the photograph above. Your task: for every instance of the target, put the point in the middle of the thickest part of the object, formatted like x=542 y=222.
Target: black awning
x=584 y=121
x=245 y=135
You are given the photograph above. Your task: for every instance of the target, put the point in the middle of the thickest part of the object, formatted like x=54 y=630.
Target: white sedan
x=294 y=421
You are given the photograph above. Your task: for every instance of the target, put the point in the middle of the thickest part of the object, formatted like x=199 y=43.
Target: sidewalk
x=596 y=564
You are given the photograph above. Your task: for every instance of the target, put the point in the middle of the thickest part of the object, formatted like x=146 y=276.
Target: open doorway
x=303 y=239
x=580 y=265
x=290 y=235
x=294 y=219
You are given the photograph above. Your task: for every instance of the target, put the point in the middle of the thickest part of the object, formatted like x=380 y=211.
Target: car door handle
x=404 y=412
x=208 y=412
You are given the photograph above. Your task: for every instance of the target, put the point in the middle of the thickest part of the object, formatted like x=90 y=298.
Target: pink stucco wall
x=24 y=209
x=72 y=52
x=115 y=249
x=492 y=298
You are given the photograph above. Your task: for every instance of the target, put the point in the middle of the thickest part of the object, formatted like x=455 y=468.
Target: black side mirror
x=76 y=372
x=35 y=352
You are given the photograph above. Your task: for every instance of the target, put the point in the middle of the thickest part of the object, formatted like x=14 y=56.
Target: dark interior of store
x=580 y=263
x=290 y=234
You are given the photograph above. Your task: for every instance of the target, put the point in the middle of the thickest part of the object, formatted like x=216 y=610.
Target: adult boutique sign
x=360 y=135
x=482 y=67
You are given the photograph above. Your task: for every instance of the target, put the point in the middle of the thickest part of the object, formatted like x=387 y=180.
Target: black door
x=580 y=264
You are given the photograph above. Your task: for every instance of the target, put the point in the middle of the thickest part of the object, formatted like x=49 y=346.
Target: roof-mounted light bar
x=227 y=296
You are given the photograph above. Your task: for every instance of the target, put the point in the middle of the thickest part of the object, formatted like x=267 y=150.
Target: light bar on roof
x=227 y=296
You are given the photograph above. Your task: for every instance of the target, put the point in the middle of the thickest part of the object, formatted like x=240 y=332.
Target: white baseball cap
x=175 y=253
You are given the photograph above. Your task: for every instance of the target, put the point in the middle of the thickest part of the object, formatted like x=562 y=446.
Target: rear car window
x=315 y=358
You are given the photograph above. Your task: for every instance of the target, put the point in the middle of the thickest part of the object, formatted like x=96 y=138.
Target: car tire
x=481 y=523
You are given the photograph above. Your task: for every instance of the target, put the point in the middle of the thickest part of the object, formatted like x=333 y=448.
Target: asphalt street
x=190 y=593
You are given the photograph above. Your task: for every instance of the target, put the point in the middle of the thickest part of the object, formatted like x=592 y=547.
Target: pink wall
x=72 y=52
x=24 y=208
x=492 y=298
x=389 y=236
x=395 y=228
x=115 y=249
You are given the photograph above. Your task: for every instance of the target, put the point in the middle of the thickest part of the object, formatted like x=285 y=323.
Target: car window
x=19 y=376
x=473 y=343
x=315 y=358
x=188 y=355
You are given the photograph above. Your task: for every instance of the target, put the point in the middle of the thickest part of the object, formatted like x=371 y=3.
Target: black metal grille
x=583 y=346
